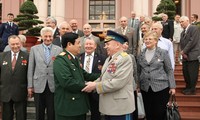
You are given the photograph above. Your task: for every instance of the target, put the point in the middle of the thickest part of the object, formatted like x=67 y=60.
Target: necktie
x=123 y=31
x=14 y=61
x=47 y=55
x=183 y=32
x=132 y=24
x=87 y=67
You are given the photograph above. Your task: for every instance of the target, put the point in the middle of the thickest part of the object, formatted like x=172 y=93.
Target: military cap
x=112 y=35
x=68 y=37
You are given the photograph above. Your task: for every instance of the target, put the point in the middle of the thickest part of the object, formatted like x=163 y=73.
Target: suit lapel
x=53 y=53
x=9 y=60
x=95 y=61
x=143 y=60
x=82 y=58
x=19 y=60
x=41 y=52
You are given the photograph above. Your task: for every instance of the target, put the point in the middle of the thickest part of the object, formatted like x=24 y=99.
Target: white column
x=42 y=6
x=58 y=10
x=141 y=7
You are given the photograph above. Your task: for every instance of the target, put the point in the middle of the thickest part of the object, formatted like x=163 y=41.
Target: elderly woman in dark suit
x=156 y=78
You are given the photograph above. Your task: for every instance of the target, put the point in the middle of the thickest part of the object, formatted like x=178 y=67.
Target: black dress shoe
x=185 y=90
x=190 y=92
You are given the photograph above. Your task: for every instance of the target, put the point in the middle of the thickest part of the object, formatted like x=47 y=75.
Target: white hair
x=45 y=30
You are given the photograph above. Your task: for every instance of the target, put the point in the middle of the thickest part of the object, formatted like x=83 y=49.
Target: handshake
x=90 y=86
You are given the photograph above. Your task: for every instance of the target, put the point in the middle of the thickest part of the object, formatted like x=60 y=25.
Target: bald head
x=123 y=21
x=74 y=24
x=87 y=29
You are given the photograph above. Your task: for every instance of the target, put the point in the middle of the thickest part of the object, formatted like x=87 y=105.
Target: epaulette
x=123 y=54
x=62 y=53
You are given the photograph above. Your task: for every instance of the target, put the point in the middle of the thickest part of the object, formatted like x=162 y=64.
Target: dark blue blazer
x=5 y=31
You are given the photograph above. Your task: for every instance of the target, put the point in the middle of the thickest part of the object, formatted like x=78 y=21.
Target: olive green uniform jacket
x=69 y=81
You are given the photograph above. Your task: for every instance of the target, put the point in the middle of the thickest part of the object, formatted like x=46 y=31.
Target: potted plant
x=28 y=22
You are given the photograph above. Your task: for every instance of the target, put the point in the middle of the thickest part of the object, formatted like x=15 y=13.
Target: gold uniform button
x=73 y=98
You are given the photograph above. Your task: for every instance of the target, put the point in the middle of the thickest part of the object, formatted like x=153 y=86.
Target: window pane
x=106 y=2
x=92 y=17
x=112 y=17
x=99 y=2
x=112 y=2
x=109 y=25
x=106 y=9
x=112 y=9
x=92 y=2
x=95 y=25
x=98 y=10
x=92 y=10
x=102 y=9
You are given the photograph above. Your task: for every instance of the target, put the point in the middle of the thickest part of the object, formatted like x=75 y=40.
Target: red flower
x=69 y=57
x=53 y=58
x=24 y=61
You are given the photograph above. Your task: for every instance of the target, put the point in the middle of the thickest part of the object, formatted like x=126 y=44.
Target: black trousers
x=190 y=73
x=119 y=117
x=8 y=110
x=94 y=106
x=135 y=113
x=155 y=103
x=44 y=101
x=78 y=117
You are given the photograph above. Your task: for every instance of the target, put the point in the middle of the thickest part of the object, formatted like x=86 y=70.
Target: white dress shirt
x=12 y=55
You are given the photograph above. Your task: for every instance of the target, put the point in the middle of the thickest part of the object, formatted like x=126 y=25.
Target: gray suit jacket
x=132 y=49
x=190 y=43
x=115 y=86
x=158 y=73
x=136 y=28
x=39 y=73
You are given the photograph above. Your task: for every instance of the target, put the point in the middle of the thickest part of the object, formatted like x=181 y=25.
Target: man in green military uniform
x=70 y=102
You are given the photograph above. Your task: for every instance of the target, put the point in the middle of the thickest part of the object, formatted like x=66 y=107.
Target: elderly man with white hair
x=190 y=44
x=40 y=74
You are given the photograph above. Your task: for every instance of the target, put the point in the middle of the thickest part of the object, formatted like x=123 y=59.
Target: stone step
x=187 y=106
x=179 y=88
x=183 y=98
x=190 y=115
x=180 y=81
x=180 y=76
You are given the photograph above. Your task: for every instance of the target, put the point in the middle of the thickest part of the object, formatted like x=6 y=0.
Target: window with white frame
x=102 y=14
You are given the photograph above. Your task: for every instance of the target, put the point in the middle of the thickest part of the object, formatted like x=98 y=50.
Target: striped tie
x=47 y=55
x=87 y=67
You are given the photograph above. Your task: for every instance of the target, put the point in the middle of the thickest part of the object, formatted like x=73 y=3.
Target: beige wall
x=195 y=9
x=9 y=7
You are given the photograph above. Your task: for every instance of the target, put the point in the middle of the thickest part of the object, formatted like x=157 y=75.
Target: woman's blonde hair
x=151 y=33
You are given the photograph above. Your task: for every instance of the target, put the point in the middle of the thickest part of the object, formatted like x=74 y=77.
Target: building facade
x=99 y=13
